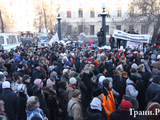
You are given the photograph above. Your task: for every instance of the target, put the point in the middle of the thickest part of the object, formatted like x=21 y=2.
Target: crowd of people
x=78 y=82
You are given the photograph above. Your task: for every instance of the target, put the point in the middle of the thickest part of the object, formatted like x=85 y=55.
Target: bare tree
x=145 y=12
x=5 y=21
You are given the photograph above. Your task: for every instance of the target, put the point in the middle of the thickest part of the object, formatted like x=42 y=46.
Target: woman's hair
x=16 y=77
x=1 y=103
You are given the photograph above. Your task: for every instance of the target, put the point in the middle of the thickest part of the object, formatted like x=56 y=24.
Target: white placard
x=55 y=38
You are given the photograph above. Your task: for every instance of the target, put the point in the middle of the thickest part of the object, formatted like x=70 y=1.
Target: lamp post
x=104 y=14
x=59 y=24
x=1 y=22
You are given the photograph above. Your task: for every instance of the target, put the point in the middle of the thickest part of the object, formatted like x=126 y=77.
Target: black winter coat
x=94 y=114
x=10 y=100
x=82 y=65
x=145 y=76
x=153 y=93
x=43 y=105
x=100 y=36
x=29 y=88
x=22 y=99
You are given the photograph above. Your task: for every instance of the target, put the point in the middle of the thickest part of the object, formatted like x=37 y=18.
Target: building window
x=107 y=29
x=69 y=29
x=80 y=29
x=118 y=27
x=69 y=13
x=143 y=29
x=119 y=12
x=91 y=29
x=11 y=3
x=92 y=12
x=80 y=13
x=130 y=28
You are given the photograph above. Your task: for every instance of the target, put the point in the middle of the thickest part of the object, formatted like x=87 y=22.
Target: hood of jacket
x=155 y=65
x=129 y=81
x=96 y=104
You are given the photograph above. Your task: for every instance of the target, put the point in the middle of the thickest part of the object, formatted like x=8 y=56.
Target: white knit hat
x=158 y=57
x=72 y=80
x=101 y=78
x=6 y=84
x=134 y=65
x=119 y=67
x=65 y=71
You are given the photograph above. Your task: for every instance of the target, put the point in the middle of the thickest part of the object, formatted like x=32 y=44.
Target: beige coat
x=76 y=111
x=69 y=92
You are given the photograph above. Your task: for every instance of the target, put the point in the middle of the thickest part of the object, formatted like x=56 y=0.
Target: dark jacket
x=21 y=73
x=153 y=93
x=82 y=65
x=22 y=99
x=37 y=74
x=10 y=100
x=29 y=88
x=43 y=105
x=145 y=76
x=100 y=36
x=122 y=115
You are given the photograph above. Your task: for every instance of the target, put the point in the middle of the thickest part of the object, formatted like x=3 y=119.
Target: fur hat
x=65 y=71
x=72 y=80
x=53 y=75
x=119 y=67
x=6 y=84
x=101 y=78
x=134 y=65
x=75 y=93
x=126 y=104
x=141 y=67
x=133 y=78
x=152 y=107
x=31 y=102
x=124 y=73
x=97 y=92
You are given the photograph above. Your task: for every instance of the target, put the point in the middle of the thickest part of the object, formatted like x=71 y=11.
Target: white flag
x=55 y=38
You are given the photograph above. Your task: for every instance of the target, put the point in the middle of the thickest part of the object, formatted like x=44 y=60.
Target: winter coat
x=37 y=74
x=145 y=76
x=83 y=89
x=10 y=101
x=156 y=68
x=122 y=115
x=76 y=111
x=100 y=36
x=109 y=103
x=153 y=93
x=29 y=88
x=63 y=78
x=82 y=65
x=130 y=89
x=96 y=111
x=20 y=72
x=14 y=86
x=22 y=99
x=35 y=112
x=52 y=101
x=69 y=93
x=43 y=105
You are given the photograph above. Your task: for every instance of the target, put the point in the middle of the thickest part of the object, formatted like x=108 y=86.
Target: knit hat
x=96 y=61
x=158 y=57
x=75 y=93
x=70 y=64
x=71 y=74
x=133 y=78
x=6 y=84
x=20 y=66
x=101 y=78
x=37 y=81
x=1 y=76
x=141 y=67
x=41 y=58
x=5 y=73
x=119 y=51
x=135 y=53
x=65 y=71
x=9 y=80
x=75 y=74
x=72 y=80
x=123 y=59
x=134 y=65
x=24 y=62
x=53 y=75
x=126 y=104
x=31 y=102
x=97 y=92
x=124 y=73
x=36 y=65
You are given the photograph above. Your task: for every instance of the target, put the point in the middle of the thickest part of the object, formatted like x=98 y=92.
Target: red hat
x=119 y=51
x=90 y=59
x=126 y=104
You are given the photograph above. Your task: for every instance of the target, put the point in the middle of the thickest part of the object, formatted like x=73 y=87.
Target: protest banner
x=143 y=38
x=54 y=39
